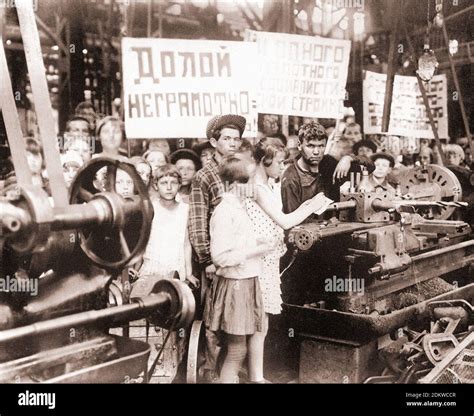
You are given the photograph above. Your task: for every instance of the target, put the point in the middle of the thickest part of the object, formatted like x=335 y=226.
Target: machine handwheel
x=444 y=184
x=122 y=240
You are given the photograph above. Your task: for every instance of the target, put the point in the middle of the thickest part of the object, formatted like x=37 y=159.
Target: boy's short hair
x=167 y=170
x=311 y=131
x=233 y=168
x=216 y=134
x=77 y=118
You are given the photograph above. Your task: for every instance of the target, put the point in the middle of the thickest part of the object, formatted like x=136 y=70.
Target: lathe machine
x=371 y=271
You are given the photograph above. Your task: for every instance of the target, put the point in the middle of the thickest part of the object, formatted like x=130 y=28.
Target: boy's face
x=382 y=168
x=453 y=159
x=168 y=187
x=312 y=151
x=124 y=184
x=365 y=151
x=206 y=155
x=78 y=128
x=35 y=162
x=187 y=169
x=111 y=136
x=229 y=142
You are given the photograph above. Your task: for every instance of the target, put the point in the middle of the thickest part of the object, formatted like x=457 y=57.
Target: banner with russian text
x=301 y=75
x=408 y=113
x=172 y=87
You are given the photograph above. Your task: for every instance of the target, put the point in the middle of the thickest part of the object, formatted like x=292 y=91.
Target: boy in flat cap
x=225 y=135
x=364 y=148
x=383 y=164
x=188 y=163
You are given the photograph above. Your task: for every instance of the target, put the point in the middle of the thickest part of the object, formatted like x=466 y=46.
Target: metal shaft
x=389 y=205
x=338 y=206
x=109 y=316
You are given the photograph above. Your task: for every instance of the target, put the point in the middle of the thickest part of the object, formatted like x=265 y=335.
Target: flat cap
x=385 y=156
x=364 y=143
x=217 y=122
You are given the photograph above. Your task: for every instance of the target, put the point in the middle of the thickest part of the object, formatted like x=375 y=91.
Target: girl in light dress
x=269 y=222
x=168 y=251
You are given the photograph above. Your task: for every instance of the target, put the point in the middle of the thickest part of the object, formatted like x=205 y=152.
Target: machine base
x=326 y=361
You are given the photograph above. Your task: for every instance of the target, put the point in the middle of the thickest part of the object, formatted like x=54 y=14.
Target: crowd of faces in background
x=86 y=137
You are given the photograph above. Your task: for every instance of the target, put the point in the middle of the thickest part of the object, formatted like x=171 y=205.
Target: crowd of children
x=220 y=211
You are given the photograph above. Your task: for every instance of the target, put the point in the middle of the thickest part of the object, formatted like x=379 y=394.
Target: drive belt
x=12 y=123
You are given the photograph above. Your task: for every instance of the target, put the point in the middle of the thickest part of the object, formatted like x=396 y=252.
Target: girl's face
x=425 y=157
x=156 y=159
x=69 y=170
x=144 y=171
x=35 y=162
x=206 y=155
x=111 y=137
x=353 y=133
x=124 y=184
x=187 y=169
x=276 y=169
x=168 y=187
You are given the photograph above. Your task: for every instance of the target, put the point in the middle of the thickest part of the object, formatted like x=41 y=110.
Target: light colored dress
x=266 y=228
x=164 y=252
x=163 y=256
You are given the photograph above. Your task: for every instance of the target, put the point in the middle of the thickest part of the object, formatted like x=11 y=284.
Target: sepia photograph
x=237 y=192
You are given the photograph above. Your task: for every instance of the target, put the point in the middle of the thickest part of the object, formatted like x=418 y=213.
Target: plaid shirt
x=206 y=193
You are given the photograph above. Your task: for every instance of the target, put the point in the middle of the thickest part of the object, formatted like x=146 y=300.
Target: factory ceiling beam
x=452 y=16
